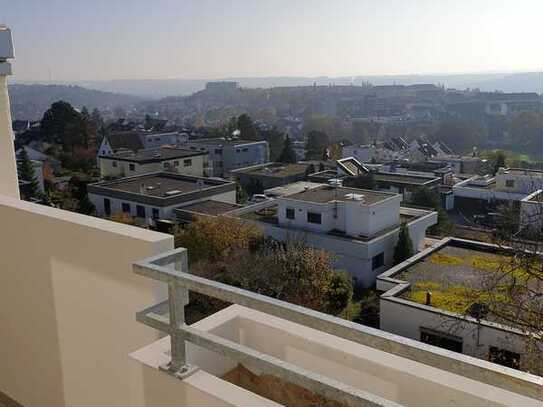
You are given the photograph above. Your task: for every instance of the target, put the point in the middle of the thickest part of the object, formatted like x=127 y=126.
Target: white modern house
x=72 y=289
x=509 y=185
x=171 y=159
x=359 y=227
x=427 y=298
x=154 y=196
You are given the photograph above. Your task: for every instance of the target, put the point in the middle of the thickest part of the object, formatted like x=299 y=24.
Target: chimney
x=428 y=298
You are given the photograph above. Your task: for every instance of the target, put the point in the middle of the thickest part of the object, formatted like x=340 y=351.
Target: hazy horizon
x=68 y=41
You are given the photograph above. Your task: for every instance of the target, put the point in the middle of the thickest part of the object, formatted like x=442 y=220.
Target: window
x=107 y=206
x=290 y=213
x=114 y=163
x=166 y=165
x=219 y=164
x=378 y=261
x=504 y=357
x=313 y=217
x=441 y=339
x=218 y=151
x=156 y=214
x=510 y=183
x=125 y=207
x=140 y=211
x=238 y=150
x=176 y=163
x=187 y=163
x=245 y=150
x=131 y=167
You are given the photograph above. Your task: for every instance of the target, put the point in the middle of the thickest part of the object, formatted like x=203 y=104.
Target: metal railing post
x=178 y=298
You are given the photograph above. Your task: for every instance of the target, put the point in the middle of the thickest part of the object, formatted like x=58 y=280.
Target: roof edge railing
x=168 y=317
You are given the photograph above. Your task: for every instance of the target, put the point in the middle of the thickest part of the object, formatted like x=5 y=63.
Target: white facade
x=531 y=213
x=152 y=212
x=350 y=216
x=114 y=167
x=410 y=319
x=364 y=259
x=519 y=181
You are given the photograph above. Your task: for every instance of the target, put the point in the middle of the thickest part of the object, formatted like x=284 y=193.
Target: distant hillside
x=156 y=88
x=29 y=102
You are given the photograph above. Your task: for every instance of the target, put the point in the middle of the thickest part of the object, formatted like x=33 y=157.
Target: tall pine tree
x=288 y=155
x=30 y=188
x=404 y=247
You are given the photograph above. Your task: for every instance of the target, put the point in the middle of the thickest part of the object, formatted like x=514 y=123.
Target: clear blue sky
x=114 y=39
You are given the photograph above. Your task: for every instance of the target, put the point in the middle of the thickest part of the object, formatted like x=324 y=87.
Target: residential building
x=36 y=155
x=120 y=141
x=227 y=155
x=171 y=159
x=508 y=186
x=291 y=189
x=270 y=175
x=359 y=227
x=154 y=196
x=531 y=214
x=404 y=183
x=427 y=298
x=69 y=335
x=156 y=140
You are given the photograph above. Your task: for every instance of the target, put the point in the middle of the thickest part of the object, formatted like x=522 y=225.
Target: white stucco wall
x=407 y=320
x=379 y=373
x=122 y=169
x=8 y=169
x=351 y=255
x=69 y=296
x=164 y=212
x=353 y=217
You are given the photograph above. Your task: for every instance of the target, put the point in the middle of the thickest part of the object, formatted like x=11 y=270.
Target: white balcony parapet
x=168 y=317
x=8 y=170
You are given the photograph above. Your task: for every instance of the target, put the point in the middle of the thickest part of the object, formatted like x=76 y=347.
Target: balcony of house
x=265 y=352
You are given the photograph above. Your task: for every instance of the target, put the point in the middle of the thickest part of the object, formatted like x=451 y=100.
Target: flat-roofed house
x=226 y=155
x=438 y=297
x=359 y=227
x=171 y=159
x=270 y=175
x=154 y=196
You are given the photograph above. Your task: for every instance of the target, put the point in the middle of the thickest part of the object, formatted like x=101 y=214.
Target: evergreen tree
x=247 y=128
x=288 y=155
x=26 y=173
x=499 y=161
x=404 y=247
x=317 y=142
x=64 y=125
